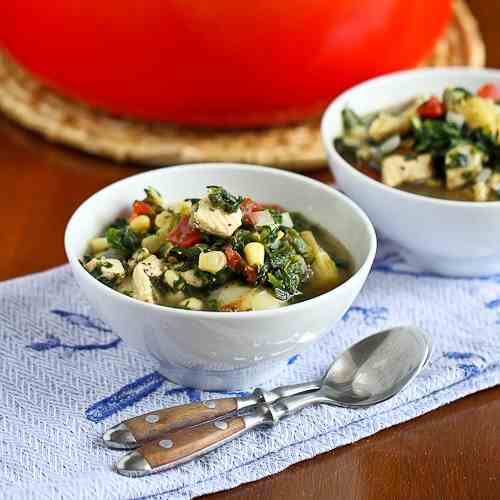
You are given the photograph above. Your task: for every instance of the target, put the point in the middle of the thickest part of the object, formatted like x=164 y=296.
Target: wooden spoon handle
x=180 y=446
x=136 y=431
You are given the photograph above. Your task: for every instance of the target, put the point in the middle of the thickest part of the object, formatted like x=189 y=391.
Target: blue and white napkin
x=65 y=377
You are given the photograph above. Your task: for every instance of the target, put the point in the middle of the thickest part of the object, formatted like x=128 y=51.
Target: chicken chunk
x=141 y=277
x=108 y=269
x=215 y=221
x=153 y=266
x=396 y=169
x=387 y=124
x=463 y=163
x=138 y=256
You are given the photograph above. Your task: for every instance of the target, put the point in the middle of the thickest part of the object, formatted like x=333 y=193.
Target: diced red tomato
x=248 y=207
x=234 y=259
x=184 y=235
x=237 y=263
x=140 y=208
x=489 y=91
x=250 y=273
x=432 y=108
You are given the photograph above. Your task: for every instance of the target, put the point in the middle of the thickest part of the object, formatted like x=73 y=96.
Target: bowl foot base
x=222 y=380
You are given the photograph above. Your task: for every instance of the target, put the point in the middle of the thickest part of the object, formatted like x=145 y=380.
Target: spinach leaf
x=350 y=119
x=240 y=238
x=435 y=136
x=220 y=198
x=189 y=254
x=216 y=280
x=122 y=238
x=119 y=223
x=485 y=142
x=286 y=270
x=297 y=242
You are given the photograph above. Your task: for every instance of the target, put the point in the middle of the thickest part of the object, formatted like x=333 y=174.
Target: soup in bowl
x=445 y=147
x=439 y=198
x=205 y=336
x=222 y=252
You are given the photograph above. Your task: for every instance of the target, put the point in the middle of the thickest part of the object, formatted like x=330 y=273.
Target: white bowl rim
x=244 y=315
x=334 y=106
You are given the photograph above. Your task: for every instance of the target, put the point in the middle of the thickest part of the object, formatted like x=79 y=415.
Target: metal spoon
x=139 y=430
x=371 y=371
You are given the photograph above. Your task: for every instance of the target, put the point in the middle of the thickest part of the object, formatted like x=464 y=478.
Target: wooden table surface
x=451 y=453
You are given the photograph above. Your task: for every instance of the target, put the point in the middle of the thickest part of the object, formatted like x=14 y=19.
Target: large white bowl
x=216 y=350
x=448 y=237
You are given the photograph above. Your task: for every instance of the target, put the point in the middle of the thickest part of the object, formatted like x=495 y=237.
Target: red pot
x=217 y=62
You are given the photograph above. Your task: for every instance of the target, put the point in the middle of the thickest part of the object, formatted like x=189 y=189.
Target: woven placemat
x=296 y=147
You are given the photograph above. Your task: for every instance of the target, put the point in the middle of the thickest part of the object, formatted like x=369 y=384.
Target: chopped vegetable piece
x=254 y=253
x=122 y=238
x=489 y=91
x=192 y=303
x=154 y=198
x=432 y=108
x=249 y=207
x=220 y=198
x=140 y=224
x=350 y=119
x=184 y=235
x=234 y=259
x=98 y=245
x=212 y=262
x=250 y=273
x=141 y=208
x=263 y=218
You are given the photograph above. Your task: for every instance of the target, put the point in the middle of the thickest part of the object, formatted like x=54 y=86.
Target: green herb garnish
x=122 y=238
x=224 y=200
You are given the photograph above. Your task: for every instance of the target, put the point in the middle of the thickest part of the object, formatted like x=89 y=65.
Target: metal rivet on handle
x=220 y=424
x=209 y=404
x=166 y=443
x=152 y=419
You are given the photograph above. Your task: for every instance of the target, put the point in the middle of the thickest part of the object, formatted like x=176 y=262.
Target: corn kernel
x=98 y=245
x=212 y=262
x=192 y=303
x=254 y=253
x=140 y=224
x=170 y=277
x=152 y=243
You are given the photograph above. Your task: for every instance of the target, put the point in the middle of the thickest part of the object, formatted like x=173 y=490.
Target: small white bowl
x=453 y=238
x=218 y=350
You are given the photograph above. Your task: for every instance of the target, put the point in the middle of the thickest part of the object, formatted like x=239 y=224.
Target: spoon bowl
x=377 y=367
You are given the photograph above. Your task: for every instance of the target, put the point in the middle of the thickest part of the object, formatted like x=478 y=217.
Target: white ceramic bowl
x=447 y=237
x=216 y=350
